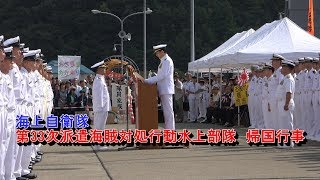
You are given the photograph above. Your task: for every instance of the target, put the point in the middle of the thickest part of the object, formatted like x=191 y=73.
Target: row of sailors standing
x=25 y=89
x=197 y=97
x=285 y=95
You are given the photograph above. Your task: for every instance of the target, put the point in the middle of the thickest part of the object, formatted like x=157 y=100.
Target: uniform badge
x=281 y=83
x=266 y=84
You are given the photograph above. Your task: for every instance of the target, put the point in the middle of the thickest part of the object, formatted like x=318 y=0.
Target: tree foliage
x=69 y=28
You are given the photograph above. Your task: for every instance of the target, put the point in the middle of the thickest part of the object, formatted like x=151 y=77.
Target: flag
x=243 y=78
x=311 y=18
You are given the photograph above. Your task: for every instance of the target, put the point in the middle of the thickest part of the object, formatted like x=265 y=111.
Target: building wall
x=298 y=13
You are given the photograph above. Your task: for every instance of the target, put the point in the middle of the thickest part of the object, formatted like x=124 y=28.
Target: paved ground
x=196 y=162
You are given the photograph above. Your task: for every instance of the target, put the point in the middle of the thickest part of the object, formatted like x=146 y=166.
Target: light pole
x=144 y=39
x=122 y=34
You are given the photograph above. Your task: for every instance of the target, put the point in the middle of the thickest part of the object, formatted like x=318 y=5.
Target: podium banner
x=240 y=94
x=118 y=96
x=69 y=67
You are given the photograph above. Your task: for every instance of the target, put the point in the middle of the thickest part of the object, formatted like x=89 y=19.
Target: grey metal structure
x=298 y=13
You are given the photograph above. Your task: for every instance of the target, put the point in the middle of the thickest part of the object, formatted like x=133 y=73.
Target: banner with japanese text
x=69 y=67
x=240 y=95
x=311 y=18
x=118 y=96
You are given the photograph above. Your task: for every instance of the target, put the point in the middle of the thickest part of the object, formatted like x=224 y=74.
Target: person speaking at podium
x=165 y=84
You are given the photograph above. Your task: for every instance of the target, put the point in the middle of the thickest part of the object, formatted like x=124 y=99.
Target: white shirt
x=215 y=98
x=10 y=94
x=258 y=87
x=252 y=85
x=100 y=95
x=309 y=80
x=164 y=77
x=265 y=90
x=3 y=90
x=285 y=86
x=29 y=86
x=202 y=95
x=18 y=84
x=298 y=82
x=315 y=83
x=78 y=89
x=275 y=80
x=193 y=87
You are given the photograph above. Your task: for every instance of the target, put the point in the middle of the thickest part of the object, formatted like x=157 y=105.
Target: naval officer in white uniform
x=100 y=99
x=285 y=95
x=165 y=84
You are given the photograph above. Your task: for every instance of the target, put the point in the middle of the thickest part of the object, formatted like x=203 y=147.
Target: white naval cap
x=260 y=68
x=288 y=63
x=315 y=60
x=49 y=69
x=267 y=65
x=100 y=64
x=31 y=54
x=216 y=86
x=39 y=56
x=301 y=60
x=22 y=45
x=277 y=57
x=308 y=59
x=12 y=42
x=8 y=52
x=159 y=47
x=254 y=67
x=25 y=50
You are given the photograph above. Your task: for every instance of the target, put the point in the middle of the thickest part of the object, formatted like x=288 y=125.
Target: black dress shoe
x=32 y=162
x=37 y=160
x=40 y=153
x=30 y=176
x=30 y=167
x=22 y=178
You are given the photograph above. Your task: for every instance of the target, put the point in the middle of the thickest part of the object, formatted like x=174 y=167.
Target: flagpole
x=239 y=104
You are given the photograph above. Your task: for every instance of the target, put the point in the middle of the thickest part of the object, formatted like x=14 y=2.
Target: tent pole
x=197 y=75
x=220 y=86
x=210 y=80
x=238 y=106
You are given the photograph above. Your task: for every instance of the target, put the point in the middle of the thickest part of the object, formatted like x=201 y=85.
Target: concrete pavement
x=196 y=162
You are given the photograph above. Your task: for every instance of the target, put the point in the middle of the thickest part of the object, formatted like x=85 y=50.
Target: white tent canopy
x=282 y=37
x=198 y=64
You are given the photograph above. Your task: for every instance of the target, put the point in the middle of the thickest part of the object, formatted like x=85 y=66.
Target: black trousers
x=228 y=115
x=224 y=114
x=213 y=112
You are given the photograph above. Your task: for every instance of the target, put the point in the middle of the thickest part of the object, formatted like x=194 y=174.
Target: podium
x=146 y=106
